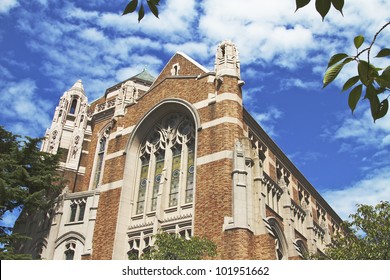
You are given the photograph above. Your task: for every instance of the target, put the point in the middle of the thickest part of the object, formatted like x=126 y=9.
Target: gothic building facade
x=180 y=154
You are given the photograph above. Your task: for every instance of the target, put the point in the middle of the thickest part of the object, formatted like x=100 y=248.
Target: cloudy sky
x=47 y=45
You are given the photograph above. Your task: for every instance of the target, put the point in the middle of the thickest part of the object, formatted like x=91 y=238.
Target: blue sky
x=47 y=45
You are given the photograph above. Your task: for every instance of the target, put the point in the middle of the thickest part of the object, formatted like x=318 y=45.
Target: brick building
x=177 y=153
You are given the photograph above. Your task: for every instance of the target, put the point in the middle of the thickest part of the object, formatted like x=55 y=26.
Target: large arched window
x=166 y=158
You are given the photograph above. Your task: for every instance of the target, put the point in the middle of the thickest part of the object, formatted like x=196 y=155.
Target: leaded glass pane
x=142 y=186
x=175 y=178
x=190 y=174
x=157 y=179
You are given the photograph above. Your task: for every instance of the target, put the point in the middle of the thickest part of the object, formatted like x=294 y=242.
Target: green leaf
x=384 y=52
x=354 y=97
x=358 y=41
x=155 y=2
x=374 y=105
x=378 y=109
x=333 y=72
x=338 y=4
x=370 y=92
x=323 y=7
x=301 y=3
x=141 y=13
x=153 y=8
x=367 y=72
x=336 y=58
x=384 y=79
x=351 y=81
x=130 y=7
x=383 y=109
x=386 y=72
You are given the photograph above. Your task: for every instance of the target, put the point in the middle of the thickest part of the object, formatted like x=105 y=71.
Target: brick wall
x=106 y=219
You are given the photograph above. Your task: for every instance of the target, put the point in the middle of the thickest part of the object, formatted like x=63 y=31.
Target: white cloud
x=268 y=119
x=7 y=5
x=372 y=189
x=193 y=49
x=177 y=22
x=92 y=34
x=272 y=33
x=299 y=83
x=20 y=104
x=362 y=131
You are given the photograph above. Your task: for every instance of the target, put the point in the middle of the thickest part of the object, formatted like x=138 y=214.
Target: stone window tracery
x=77 y=210
x=167 y=157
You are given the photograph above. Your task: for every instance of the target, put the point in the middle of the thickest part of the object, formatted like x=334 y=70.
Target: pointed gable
x=181 y=65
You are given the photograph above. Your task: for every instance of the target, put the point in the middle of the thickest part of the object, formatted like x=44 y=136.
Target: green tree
x=374 y=81
x=365 y=237
x=174 y=247
x=29 y=181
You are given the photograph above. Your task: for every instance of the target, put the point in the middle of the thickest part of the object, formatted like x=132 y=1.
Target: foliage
x=374 y=80
x=366 y=237
x=133 y=4
x=28 y=181
x=322 y=6
x=174 y=247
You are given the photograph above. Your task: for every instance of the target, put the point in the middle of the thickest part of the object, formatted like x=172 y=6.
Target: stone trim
x=110 y=186
x=219 y=98
x=115 y=155
x=222 y=120
x=227 y=154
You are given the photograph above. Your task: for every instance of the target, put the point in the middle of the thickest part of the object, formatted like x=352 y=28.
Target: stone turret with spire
x=68 y=126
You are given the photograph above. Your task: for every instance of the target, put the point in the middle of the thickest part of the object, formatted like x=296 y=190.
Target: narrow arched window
x=166 y=165
x=190 y=173
x=73 y=106
x=175 y=177
x=142 y=185
x=73 y=211
x=157 y=178
x=99 y=161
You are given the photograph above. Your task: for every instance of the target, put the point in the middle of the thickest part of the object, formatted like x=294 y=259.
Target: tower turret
x=227 y=61
x=68 y=126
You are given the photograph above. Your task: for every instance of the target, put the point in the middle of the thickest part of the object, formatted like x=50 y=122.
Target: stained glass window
x=167 y=158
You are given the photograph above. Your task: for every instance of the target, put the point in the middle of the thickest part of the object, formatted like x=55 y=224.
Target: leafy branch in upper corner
x=133 y=5
x=374 y=80
x=322 y=6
